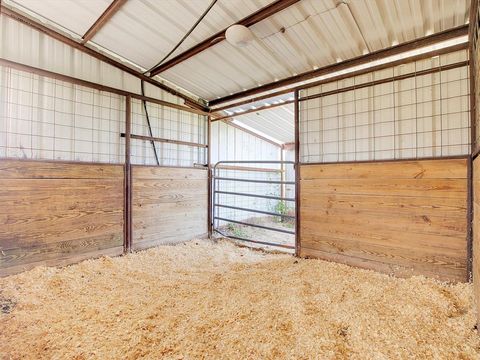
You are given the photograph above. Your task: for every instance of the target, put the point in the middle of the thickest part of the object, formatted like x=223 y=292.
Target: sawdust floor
x=219 y=301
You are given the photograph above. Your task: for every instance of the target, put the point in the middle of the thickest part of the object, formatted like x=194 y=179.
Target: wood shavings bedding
x=219 y=301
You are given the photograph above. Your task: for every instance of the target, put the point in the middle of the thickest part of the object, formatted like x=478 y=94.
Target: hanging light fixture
x=239 y=35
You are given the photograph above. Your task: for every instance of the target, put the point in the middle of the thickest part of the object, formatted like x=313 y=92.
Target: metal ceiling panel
x=306 y=35
x=312 y=34
x=144 y=31
x=76 y=16
x=277 y=122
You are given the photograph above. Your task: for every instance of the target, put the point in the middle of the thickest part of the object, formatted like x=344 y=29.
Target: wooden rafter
x=103 y=19
x=248 y=21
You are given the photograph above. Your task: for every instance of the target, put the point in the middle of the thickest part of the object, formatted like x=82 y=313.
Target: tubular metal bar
x=254 y=225
x=254 y=241
x=169 y=141
x=254 y=195
x=257 y=181
x=147 y=117
x=297 y=175
x=127 y=182
x=254 y=162
x=255 y=211
x=209 y=169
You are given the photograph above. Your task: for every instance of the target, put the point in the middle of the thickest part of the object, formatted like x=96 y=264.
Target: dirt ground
x=206 y=300
x=263 y=235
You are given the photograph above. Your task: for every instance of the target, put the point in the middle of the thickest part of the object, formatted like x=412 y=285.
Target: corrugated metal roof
x=76 y=16
x=144 y=31
x=309 y=34
x=277 y=122
x=316 y=34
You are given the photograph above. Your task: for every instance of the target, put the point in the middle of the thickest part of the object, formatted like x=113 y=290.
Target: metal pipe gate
x=219 y=182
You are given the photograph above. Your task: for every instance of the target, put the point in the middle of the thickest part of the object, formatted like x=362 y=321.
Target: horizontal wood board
x=402 y=218
x=58 y=213
x=169 y=205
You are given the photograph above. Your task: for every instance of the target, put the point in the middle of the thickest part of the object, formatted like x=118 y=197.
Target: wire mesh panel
x=168 y=124
x=415 y=110
x=44 y=118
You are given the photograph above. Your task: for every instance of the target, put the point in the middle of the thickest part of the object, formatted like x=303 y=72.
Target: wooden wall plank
x=419 y=169
x=35 y=169
x=58 y=213
x=404 y=218
x=168 y=173
x=394 y=205
x=169 y=205
x=446 y=188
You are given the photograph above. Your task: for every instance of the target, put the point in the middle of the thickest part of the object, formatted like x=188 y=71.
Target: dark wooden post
x=127 y=243
x=297 y=176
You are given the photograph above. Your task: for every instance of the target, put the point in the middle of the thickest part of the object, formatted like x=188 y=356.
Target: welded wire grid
x=417 y=117
x=44 y=118
x=476 y=67
x=172 y=124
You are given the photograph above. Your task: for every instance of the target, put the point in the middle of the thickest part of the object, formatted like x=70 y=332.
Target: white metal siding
x=418 y=117
x=230 y=143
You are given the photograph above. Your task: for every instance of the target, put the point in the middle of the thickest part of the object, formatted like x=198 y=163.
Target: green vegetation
x=236 y=230
x=281 y=208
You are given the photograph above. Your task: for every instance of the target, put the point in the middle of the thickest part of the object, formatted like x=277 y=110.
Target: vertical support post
x=469 y=219
x=282 y=173
x=297 y=176
x=127 y=244
x=471 y=68
x=473 y=115
x=209 y=167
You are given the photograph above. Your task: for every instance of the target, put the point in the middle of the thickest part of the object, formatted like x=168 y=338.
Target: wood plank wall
x=57 y=213
x=402 y=218
x=169 y=205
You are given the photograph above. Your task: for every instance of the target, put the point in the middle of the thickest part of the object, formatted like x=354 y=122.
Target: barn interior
x=239 y=179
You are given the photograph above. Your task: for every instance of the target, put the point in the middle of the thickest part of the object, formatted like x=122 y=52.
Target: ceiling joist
x=248 y=21
x=103 y=19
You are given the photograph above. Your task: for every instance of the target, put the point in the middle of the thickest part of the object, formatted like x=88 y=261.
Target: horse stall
x=261 y=179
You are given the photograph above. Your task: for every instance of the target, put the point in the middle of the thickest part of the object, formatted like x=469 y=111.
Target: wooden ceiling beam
x=81 y=47
x=103 y=19
x=248 y=21
x=360 y=60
